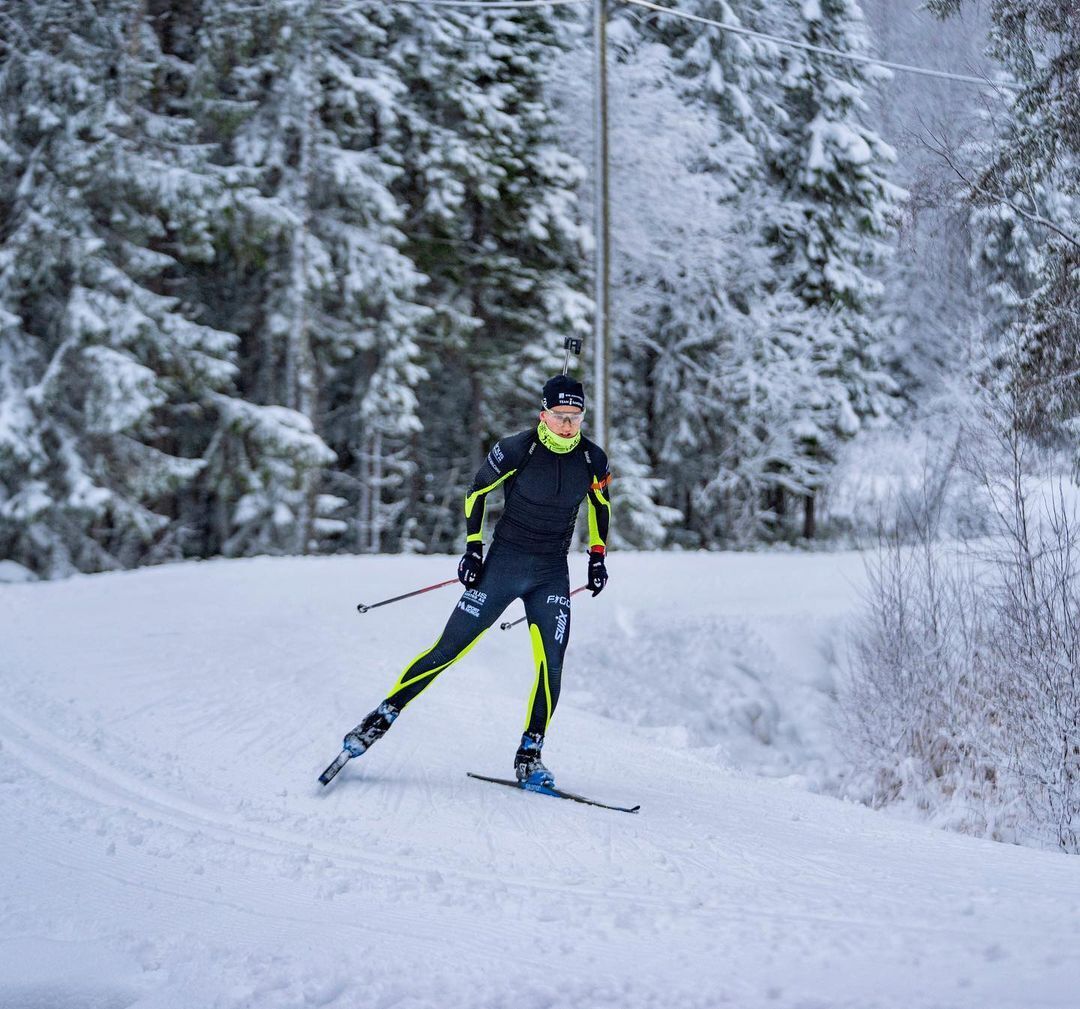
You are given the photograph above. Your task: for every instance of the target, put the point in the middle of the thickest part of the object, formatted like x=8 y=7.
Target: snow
x=11 y=571
x=123 y=391
x=830 y=140
x=165 y=844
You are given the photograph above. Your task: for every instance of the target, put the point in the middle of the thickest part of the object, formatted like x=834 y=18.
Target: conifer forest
x=275 y=274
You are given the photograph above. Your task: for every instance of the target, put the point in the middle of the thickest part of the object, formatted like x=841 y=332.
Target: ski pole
x=364 y=607
x=507 y=624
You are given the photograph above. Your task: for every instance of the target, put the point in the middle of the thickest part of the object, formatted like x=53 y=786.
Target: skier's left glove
x=597 y=572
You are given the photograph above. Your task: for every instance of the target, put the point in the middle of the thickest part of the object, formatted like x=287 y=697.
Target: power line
x=793 y=44
x=907 y=68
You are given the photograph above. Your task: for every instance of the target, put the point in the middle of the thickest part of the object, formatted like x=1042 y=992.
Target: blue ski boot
x=528 y=766
x=371 y=729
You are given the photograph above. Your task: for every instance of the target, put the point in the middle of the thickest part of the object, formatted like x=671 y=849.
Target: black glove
x=597 y=572
x=471 y=564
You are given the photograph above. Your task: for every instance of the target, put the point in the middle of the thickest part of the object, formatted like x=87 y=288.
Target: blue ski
x=555 y=793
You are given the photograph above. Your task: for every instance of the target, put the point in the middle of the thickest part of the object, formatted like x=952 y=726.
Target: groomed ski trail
x=165 y=842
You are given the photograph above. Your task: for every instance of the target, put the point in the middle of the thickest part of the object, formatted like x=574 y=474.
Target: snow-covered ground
x=164 y=843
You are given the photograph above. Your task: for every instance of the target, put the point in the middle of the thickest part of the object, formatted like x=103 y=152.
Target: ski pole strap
x=364 y=607
x=507 y=624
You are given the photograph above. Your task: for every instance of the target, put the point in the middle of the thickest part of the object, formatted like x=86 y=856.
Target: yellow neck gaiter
x=556 y=442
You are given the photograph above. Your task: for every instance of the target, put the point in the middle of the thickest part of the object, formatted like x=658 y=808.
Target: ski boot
x=528 y=766
x=371 y=729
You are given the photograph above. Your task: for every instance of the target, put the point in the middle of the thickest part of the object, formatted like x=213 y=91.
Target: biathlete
x=546 y=472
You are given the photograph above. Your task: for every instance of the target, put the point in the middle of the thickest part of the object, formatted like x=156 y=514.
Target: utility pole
x=602 y=279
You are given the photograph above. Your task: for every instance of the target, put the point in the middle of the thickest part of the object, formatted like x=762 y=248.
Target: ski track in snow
x=166 y=846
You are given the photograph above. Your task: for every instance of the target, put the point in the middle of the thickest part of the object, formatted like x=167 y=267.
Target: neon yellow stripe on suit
x=594 y=529
x=402 y=683
x=470 y=499
x=541 y=674
x=595 y=540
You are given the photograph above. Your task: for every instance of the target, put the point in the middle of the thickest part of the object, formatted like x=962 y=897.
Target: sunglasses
x=567 y=418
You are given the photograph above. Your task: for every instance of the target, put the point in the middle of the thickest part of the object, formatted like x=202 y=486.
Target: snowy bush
x=964 y=690
x=914 y=712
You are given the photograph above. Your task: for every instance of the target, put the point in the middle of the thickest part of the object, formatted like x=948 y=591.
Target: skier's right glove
x=471 y=564
x=597 y=572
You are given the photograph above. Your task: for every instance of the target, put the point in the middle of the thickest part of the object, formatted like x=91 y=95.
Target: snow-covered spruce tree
x=732 y=76
x=930 y=288
x=104 y=198
x=371 y=411
x=690 y=275
x=669 y=224
x=773 y=395
x=706 y=309
x=1006 y=256
x=837 y=206
x=643 y=520
x=1027 y=182
x=319 y=291
x=493 y=221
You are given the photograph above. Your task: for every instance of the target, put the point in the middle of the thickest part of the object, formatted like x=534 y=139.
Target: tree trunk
x=376 y=523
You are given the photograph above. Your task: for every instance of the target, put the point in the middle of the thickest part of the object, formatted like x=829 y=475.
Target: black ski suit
x=527 y=560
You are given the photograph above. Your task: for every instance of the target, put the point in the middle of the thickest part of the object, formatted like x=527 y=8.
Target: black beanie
x=562 y=390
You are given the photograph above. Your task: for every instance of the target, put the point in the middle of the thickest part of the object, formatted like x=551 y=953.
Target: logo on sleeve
x=495 y=457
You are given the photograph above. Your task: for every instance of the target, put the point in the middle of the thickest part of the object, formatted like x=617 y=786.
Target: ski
x=339 y=762
x=556 y=793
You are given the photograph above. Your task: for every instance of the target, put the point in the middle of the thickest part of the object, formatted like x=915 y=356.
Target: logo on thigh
x=560 y=626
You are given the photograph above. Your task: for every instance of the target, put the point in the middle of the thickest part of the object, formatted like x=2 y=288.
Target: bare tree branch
x=942 y=150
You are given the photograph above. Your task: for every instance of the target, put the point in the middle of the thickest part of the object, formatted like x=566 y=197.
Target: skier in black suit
x=546 y=472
